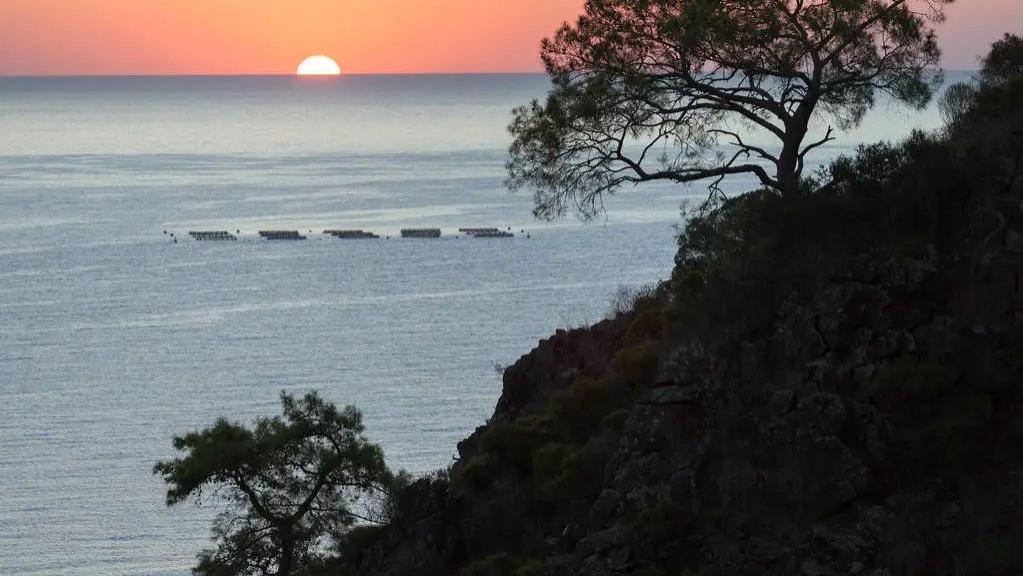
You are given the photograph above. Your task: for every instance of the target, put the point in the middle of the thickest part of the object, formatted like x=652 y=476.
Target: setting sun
x=318 y=66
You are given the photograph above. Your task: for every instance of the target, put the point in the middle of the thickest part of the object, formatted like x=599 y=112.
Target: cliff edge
x=830 y=384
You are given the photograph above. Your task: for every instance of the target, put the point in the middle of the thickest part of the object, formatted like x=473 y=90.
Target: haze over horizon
x=231 y=37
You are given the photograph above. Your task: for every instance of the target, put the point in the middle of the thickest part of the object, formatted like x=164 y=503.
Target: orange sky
x=43 y=37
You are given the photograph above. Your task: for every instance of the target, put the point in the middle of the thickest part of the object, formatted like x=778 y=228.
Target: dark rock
x=619 y=560
x=599 y=542
x=674 y=395
x=782 y=402
x=825 y=414
x=1014 y=242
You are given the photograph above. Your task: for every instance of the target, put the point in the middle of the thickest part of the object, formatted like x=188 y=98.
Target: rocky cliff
x=834 y=390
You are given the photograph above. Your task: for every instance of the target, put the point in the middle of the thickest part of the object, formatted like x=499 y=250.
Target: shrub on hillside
x=512 y=444
x=649 y=325
x=579 y=409
x=635 y=366
x=479 y=473
x=740 y=258
x=502 y=527
x=355 y=543
x=548 y=462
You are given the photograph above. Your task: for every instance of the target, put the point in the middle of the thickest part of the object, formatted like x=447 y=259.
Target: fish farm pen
x=420 y=233
x=344 y=234
x=214 y=236
x=351 y=234
x=281 y=235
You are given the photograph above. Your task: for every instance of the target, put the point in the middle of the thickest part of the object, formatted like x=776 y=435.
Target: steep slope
x=830 y=384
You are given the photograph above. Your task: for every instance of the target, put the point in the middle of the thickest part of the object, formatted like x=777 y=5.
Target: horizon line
x=272 y=75
x=313 y=78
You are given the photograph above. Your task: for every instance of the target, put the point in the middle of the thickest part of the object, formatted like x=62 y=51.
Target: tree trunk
x=789 y=173
x=287 y=552
x=788 y=163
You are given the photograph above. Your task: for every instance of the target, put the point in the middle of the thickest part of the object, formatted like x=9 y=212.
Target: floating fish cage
x=490 y=234
x=212 y=236
x=281 y=235
x=420 y=233
x=351 y=234
x=223 y=235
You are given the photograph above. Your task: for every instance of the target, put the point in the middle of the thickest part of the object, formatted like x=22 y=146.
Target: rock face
x=877 y=431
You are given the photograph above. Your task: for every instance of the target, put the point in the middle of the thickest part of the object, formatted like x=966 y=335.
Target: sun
x=318 y=66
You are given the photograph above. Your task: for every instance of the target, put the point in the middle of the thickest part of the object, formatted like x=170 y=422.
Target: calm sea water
x=113 y=338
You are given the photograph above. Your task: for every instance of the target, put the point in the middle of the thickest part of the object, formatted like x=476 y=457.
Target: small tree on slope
x=292 y=484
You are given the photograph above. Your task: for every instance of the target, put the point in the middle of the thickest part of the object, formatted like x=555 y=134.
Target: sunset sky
x=71 y=37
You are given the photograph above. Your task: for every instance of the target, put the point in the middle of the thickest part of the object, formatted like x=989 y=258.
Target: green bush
x=501 y=526
x=562 y=472
x=512 y=444
x=548 y=462
x=636 y=366
x=479 y=473
x=725 y=267
x=579 y=409
x=688 y=284
x=650 y=324
x=582 y=472
x=615 y=421
x=740 y=258
x=354 y=544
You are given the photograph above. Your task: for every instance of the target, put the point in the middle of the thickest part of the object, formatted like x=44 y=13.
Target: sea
x=118 y=331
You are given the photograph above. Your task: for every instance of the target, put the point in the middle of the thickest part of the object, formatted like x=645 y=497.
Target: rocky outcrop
x=876 y=431
x=873 y=426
